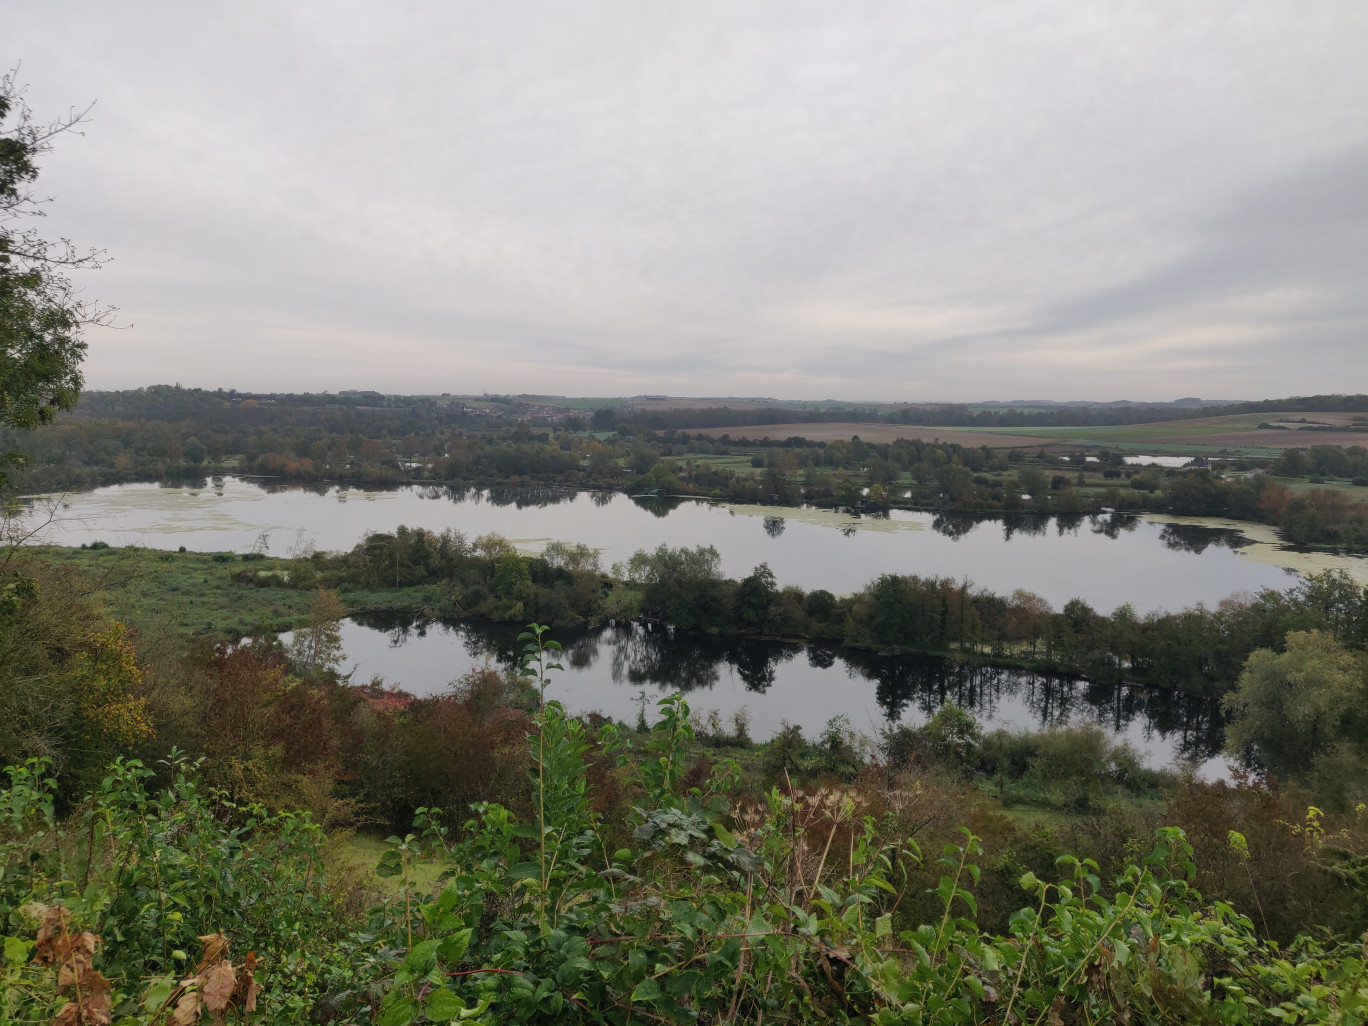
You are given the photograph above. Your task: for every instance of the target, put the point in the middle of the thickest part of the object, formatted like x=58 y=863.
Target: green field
x=197 y=592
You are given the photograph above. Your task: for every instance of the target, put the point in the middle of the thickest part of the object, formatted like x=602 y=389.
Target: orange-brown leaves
x=187 y=1010
x=74 y=957
x=215 y=947
x=217 y=986
x=219 y=982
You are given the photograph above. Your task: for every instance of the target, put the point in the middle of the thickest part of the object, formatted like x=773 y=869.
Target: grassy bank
x=218 y=593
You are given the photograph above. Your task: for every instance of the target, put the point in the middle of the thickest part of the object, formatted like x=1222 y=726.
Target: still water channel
x=1105 y=560
x=612 y=670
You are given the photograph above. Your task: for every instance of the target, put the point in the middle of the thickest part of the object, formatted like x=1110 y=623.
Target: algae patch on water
x=819 y=517
x=1266 y=547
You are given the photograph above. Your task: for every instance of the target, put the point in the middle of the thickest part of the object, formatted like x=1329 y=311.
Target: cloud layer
x=888 y=200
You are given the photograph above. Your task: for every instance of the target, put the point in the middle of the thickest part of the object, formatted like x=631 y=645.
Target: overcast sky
x=904 y=201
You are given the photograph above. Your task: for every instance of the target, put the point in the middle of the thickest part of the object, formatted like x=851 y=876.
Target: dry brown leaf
x=219 y=982
x=53 y=942
x=69 y=1015
x=247 y=995
x=53 y=922
x=246 y=990
x=187 y=1011
x=69 y=975
x=215 y=944
x=99 y=1002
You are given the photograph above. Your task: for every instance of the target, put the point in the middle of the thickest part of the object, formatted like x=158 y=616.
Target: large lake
x=611 y=670
x=1106 y=560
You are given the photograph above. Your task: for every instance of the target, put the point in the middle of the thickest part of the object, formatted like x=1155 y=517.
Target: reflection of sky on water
x=1160 y=461
x=1104 y=560
x=605 y=671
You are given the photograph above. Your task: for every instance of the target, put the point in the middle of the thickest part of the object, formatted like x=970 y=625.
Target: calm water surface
x=1105 y=560
x=609 y=669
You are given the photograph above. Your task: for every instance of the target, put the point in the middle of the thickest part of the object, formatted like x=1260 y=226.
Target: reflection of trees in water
x=657 y=505
x=670 y=660
x=1068 y=523
x=1196 y=539
x=1024 y=523
x=528 y=497
x=906 y=682
x=601 y=499
x=521 y=498
x=493 y=642
x=757 y=662
x=954 y=525
x=774 y=526
x=581 y=653
x=1111 y=525
x=821 y=658
x=643 y=655
x=1196 y=724
x=923 y=683
x=396 y=626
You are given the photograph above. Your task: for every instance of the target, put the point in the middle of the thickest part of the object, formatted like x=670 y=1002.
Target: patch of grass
x=200 y=592
x=1024 y=815
x=1300 y=484
x=363 y=852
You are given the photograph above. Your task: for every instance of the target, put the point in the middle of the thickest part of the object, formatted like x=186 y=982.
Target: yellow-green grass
x=193 y=592
x=362 y=852
x=1358 y=493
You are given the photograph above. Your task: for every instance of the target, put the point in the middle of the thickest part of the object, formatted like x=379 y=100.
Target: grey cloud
x=880 y=200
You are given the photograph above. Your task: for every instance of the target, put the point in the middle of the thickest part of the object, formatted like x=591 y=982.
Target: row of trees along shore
x=182 y=435
x=1198 y=651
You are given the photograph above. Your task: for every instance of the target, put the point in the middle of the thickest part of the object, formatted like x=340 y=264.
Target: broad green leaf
x=524 y=871
x=421 y=954
x=453 y=948
x=647 y=990
x=443 y=1006
x=16 y=950
x=158 y=993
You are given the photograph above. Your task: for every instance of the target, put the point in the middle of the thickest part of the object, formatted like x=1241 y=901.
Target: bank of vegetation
x=548 y=868
x=1198 y=651
x=186 y=435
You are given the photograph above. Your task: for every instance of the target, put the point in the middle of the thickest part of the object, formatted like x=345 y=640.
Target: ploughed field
x=1237 y=431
